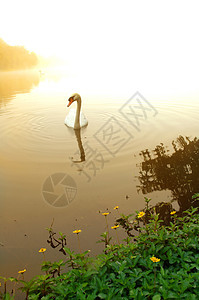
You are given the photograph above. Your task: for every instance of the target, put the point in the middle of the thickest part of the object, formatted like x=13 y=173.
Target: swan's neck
x=77 y=117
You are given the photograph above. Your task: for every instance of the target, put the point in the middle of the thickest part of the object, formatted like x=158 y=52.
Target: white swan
x=75 y=118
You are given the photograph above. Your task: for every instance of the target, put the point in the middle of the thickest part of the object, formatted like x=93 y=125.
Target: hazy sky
x=153 y=44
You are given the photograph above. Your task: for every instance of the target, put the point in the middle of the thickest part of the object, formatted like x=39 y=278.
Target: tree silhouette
x=177 y=172
x=16 y=57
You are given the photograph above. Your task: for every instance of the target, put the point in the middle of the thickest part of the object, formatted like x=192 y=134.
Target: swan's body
x=75 y=118
x=70 y=119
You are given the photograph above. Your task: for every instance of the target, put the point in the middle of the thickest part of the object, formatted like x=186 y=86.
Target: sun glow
x=149 y=46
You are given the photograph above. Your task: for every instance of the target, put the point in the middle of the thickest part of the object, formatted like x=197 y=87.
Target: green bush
x=161 y=262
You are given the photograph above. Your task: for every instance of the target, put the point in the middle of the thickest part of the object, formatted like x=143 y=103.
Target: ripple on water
x=170 y=122
x=43 y=130
x=30 y=132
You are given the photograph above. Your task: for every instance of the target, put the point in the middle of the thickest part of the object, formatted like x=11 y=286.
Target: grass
x=158 y=262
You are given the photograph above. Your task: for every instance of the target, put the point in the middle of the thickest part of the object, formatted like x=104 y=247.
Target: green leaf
x=103 y=270
x=172 y=295
x=8 y=297
x=156 y=297
x=102 y=296
x=68 y=251
x=192 y=297
x=162 y=271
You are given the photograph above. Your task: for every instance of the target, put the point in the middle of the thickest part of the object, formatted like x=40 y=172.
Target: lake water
x=44 y=176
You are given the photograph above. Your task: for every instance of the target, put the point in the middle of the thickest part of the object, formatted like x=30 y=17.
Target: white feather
x=70 y=118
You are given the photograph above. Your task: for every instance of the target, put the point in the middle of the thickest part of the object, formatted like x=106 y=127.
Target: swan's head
x=74 y=97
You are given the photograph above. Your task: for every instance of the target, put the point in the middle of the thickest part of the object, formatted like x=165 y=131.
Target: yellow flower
x=105 y=214
x=42 y=250
x=21 y=272
x=173 y=212
x=154 y=259
x=77 y=231
x=115 y=227
x=141 y=214
x=116 y=207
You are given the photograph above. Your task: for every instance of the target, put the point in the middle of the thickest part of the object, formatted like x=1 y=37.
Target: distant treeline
x=16 y=57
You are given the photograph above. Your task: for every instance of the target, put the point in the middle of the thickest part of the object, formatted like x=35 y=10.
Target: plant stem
x=117 y=237
x=79 y=243
x=154 y=279
x=4 y=287
x=107 y=226
x=71 y=260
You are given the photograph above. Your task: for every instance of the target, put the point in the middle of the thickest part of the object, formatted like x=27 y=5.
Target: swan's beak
x=70 y=101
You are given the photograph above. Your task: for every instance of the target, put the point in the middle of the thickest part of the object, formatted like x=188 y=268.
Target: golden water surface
x=132 y=147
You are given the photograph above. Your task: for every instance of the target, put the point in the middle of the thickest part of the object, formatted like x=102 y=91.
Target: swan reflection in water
x=81 y=148
x=75 y=119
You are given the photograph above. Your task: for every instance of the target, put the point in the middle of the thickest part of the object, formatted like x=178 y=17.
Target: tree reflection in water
x=13 y=83
x=178 y=172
